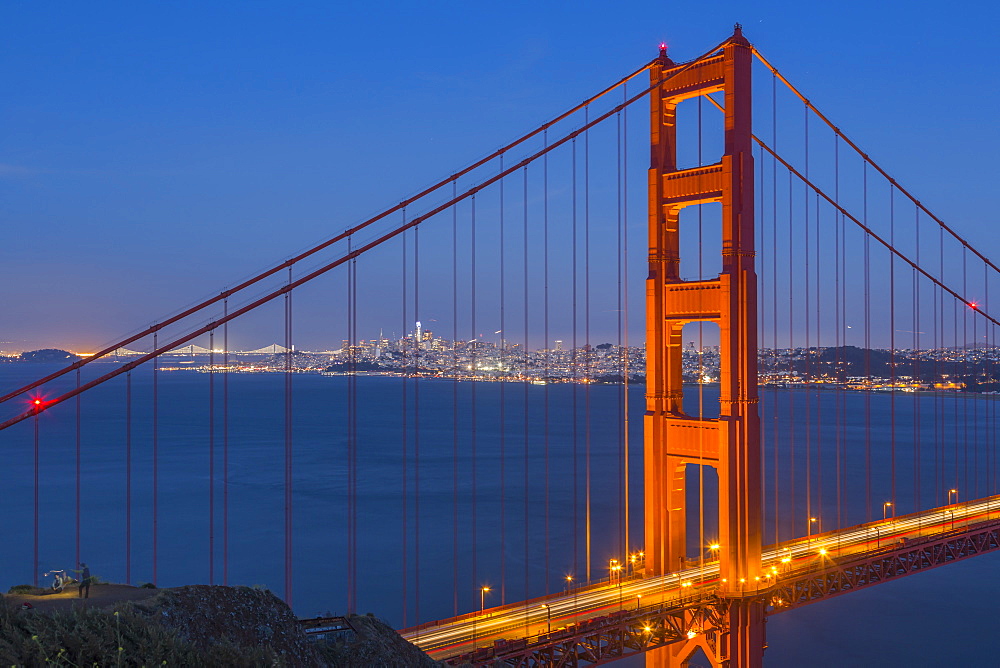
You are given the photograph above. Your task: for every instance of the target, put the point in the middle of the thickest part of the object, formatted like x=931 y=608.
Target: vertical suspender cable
x=354 y=420
x=957 y=366
x=503 y=401
x=761 y=336
x=211 y=457
x=404 y=432
x=454 y=396
x=416 y=429
x=988 y=416
x=473 y=409
x=991 y=463
x=622 y=465
x=78 y=465
x=842 y=415
x=991 y=406
x=916 y=364
x=352 y=430
x=791 y=347
x=128 y=478
x=971 y=313
x=225 y=445
x=34 y=569
x=525 y=385
x=938 y=319
x=761 y=317
x=892 y=348
x=868 y=345
x=967 y=489
x=573 y=363
x=808 y=394
x=624 y=306
x=288 y=443
x=817 y=370
x=956 y=377
x=841 y=342
x=156 y=457
x=545 y=330
x=774 y=306
x=586 y=318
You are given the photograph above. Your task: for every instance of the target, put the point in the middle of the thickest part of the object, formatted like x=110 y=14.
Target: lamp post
x=812 y=520
x=548 y=616
x=569 y=583
x=638 y=601
x=616 y=573
x=952 y=492
x=885 y=507
x=482 y=607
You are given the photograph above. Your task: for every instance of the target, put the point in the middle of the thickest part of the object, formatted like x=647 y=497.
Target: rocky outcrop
x=373 y=643
x=197 y=625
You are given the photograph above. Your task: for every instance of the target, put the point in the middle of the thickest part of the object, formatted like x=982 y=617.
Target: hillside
x=196 y=625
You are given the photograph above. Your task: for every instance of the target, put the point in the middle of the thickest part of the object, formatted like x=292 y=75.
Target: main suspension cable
x=339 y=237
x=157 y=350
x=871 y=162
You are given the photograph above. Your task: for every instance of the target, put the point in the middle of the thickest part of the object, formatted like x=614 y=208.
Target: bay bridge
x=759 y=494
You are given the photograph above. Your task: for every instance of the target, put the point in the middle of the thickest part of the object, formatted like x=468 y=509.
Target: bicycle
x=60 y=580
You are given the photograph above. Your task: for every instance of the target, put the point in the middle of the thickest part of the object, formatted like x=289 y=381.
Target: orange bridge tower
x=674 y=439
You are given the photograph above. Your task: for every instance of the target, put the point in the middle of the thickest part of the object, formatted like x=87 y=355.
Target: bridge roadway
x=545 y=618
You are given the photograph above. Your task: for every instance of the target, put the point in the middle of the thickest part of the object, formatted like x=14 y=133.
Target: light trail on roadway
x=559 y=612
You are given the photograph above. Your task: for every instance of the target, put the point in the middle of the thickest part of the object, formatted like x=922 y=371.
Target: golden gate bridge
x=822 y=281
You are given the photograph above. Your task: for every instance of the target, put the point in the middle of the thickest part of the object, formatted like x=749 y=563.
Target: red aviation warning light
x=663 y=48
x=974 y=306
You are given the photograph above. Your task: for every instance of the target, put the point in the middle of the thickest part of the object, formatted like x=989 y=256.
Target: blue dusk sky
x=153 y=153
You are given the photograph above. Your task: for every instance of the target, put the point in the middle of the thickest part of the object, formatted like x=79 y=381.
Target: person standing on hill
x=84 y=580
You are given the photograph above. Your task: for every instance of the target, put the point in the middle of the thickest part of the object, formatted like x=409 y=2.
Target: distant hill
x=48 y=355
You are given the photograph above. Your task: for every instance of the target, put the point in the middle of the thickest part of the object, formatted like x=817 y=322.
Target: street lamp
x=950 y=492
x=548 y=616
x=638 y=601
x=787 y=561
x=569 y=583
x=482 y=607
x=616 y=573
x=812 y=520
x=885 y=508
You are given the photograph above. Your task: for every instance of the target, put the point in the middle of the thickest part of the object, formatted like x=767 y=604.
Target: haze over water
x=946 y=616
